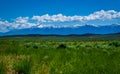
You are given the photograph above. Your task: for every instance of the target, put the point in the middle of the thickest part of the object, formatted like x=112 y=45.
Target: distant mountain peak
x=85 y=29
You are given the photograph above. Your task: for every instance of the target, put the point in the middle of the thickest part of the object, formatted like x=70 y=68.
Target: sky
x=19 y=14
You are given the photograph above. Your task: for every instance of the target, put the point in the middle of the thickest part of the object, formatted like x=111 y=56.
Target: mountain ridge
x=109 y=29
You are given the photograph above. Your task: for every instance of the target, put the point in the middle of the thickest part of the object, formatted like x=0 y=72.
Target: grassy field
x=59 y=56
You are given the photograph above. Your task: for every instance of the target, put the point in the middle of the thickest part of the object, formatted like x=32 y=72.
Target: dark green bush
x=115 y=43
x=26 y=45
x=88 y=46
x=35 y=46
x=63 y=46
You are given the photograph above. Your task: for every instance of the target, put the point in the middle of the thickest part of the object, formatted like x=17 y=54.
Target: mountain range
x=108 y=29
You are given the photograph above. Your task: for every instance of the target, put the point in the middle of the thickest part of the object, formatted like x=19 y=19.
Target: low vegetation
x=39 y=56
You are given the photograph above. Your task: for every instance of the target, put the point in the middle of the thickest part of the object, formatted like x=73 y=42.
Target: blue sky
x=15 y=8
x=18 y=14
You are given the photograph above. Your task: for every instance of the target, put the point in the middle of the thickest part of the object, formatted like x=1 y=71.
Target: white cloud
x=99 y=15
x=22 y=22
x=57 y=21
x=22 y=19
x=103 y=15
x=4 y=25
x=53 y=18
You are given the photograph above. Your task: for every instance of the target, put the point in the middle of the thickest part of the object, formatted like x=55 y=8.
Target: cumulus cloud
x=57 y=21
x=53 y=18
x=4 y=25
x=103 y=15
x=99 y=15
x=22 y=22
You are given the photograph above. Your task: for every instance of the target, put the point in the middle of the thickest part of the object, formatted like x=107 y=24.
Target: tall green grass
x=22 y=66
x=2 y=68
x=28 y=56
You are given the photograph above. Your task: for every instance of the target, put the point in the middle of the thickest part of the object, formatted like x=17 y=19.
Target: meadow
x=59 y=56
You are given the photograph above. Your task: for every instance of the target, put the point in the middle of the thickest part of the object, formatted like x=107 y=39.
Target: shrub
x=115 y=43
x=88 y=46
x=35 y=46
x=62 y=46
x=27 y=45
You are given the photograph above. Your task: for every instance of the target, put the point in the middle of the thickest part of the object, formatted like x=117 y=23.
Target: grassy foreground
x=36 y=56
